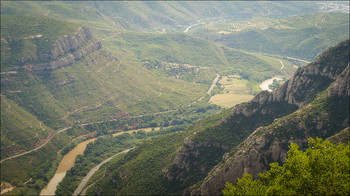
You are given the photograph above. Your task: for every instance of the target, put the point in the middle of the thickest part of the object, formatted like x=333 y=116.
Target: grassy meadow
x=235 y=91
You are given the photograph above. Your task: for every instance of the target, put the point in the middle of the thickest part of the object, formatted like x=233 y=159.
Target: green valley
x=170 y=94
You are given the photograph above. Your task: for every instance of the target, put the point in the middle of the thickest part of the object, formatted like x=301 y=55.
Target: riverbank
x=265 y=84
x=68 y=161
x=92 y=172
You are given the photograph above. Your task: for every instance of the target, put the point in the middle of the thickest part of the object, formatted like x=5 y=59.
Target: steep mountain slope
x=301 y=99
x=327 y=115
x=74 y=75
x=263 y=109
x=57 y=73
x=302 y=37
x=145 y=165
x=20 y=130
x=74 y=79
x=26 y=39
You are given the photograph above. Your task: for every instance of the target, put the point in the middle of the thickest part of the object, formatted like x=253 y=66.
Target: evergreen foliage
x=323 y=169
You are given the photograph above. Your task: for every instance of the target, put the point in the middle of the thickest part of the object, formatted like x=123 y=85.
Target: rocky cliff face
x=66 y=50
x=261 y=111
x=341 y=86
x=187 y=159
x=70 y=42
x=322 y=118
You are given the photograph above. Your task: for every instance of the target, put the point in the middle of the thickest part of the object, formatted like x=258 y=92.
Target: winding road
x=301 y=60
x=213 y=84
x=37 y=148
x=189 y=27
x=211 y=87
x=83 y=124
x=282 y=65
x=93 y=170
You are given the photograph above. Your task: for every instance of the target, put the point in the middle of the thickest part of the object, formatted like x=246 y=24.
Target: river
x=66 y=163
x=69 y=159
x=265 y=84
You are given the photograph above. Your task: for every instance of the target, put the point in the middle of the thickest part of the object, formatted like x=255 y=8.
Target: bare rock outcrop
x=270 y=143
x=65 y=51
x=263 y=110
x=70 y=42
x=342 y=85
x=190 y=151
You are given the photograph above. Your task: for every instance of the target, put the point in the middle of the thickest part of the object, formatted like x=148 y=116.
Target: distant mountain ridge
x=153 y=15
x=303 y=37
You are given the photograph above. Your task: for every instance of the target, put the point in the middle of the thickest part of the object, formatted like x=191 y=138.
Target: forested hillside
x=288 y=114
x=58 y=74
x=303 y=37
x=146 y=83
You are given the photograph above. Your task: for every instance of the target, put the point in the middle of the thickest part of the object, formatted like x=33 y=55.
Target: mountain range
x=221 y=148
x=71 y=71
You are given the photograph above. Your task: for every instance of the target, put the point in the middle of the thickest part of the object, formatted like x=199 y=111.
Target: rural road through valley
x=93 y=170
x=211 y=87
x=37 y=148
x=64 y=129
x=282 y=65
x=213 y=84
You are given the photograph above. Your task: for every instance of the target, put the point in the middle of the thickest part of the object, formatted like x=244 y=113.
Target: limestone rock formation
x=66 y=51
x=263 y=110
x=341 y=85
x=270 y=143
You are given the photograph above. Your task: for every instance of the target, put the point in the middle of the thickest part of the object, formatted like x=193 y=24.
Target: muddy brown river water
x=66 y=163
x=69 y=159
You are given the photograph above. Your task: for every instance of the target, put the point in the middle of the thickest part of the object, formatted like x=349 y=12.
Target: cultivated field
x=236 y=90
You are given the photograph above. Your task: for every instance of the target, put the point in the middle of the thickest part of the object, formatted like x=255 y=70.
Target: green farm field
x=236 y=90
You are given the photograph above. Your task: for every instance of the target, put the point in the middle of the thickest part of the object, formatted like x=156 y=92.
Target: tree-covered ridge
x=302 y=37
x=23 y=26
x=153 y=16
x=323 y=169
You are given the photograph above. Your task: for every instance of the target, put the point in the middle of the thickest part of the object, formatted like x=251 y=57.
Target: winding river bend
x=68 y=162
